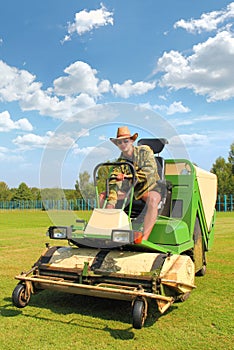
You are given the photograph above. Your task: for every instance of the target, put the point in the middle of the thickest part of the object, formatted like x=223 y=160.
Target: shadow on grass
x=98 y=308
x=122 y=334
x=8 y=310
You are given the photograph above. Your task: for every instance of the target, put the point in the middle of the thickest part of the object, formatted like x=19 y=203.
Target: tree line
x=225 y=172
x=84 y=187
x=25 y=193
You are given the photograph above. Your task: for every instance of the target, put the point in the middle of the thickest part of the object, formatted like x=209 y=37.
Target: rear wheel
x=21 y=296
x=139 y=313
x=199 y=250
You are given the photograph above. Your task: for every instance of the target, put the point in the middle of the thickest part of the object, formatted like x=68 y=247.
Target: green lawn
x=63 y=321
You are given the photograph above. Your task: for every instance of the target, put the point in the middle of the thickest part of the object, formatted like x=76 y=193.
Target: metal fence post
x=225 y=202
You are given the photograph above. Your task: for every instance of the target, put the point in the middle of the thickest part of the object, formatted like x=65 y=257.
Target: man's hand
x=120 y=177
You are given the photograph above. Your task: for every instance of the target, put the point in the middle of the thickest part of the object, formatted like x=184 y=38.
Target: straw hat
x=123 y=133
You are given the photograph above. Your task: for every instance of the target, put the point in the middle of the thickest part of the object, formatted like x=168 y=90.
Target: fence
x=72 y=204
x=224 y=203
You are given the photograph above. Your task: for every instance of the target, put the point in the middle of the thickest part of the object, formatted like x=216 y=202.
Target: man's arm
x=147 y=167
x=114 y=186
x=117 y=181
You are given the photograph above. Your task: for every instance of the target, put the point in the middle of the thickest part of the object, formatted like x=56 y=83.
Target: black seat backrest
x=157 y=146
x=160 y=166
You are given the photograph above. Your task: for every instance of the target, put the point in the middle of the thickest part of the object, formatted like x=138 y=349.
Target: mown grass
x=61 y=321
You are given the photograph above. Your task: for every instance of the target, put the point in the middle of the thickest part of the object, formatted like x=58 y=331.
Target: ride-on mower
x=106 y=256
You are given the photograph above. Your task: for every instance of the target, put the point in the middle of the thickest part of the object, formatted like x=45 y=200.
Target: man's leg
x=121 y=195
x=102 y=197
x=152 y=200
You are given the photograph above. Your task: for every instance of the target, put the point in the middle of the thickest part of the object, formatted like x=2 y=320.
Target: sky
x=71 y=72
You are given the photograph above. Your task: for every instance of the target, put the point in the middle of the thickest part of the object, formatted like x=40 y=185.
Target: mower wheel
x=201 y=272
x=20 y=296
x=184 y=297
x=139 y=313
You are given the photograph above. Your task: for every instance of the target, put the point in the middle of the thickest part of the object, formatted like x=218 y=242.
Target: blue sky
x=71 y=72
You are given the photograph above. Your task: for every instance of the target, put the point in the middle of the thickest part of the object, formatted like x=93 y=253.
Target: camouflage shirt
x=146 y=173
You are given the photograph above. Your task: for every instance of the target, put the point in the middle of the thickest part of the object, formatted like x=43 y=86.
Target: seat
x=161 y=167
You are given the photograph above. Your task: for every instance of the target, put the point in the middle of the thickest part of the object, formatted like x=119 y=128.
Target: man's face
x=125 y=145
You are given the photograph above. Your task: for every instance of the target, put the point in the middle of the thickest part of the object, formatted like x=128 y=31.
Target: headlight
x=126 y=236
x=59 y=232
x=122 y=236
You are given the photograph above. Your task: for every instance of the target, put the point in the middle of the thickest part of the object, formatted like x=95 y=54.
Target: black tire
x=184 y=297
x=201 y=272
x=20 y=296
x=138 y=314
x=199 y=256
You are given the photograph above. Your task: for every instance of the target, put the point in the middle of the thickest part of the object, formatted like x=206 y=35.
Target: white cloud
x=175 y=107
x=208 y=21
x=15 y=84
x=208 y=71
x=144 y=106
x=32 y=141
x=7 y=155
x=7 y=124
x=10 y=158
x=128 y=88
x=19 y=85
x=97 y=153
x=101 y=113
x=23 y=124
x=81 y=79
x=52 y=140
x=3 y=149
x=201 y=119
x=70 y=94
x=83 y=151
x=54 y=107
x=190 y=140
x=86 y=21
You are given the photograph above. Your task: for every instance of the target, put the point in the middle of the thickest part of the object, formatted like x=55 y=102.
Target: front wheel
x=201 y=272
x=21 y=296
x=139 y=313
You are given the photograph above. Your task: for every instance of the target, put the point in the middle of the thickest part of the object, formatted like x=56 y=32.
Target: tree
x=84 y=179
x=231 y=157
x=5 y=193
x=52 y=194
x=103 y=175
x=84 y=186
x=23 y=193
x=220 y=169
x=36 y=193
x=77 y=189
x=225 y=173
x=70 y=194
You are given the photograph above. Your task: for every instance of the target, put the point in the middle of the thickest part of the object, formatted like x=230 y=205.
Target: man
x=146 y=188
